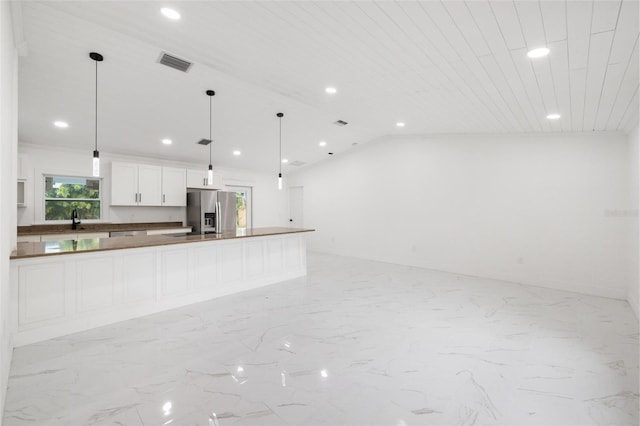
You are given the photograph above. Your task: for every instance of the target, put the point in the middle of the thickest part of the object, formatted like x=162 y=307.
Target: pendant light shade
x=280 y=115
x=96 y=154
x=210 y=93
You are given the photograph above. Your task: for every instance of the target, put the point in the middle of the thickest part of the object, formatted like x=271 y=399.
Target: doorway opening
x=295 y=207
x=244 y=215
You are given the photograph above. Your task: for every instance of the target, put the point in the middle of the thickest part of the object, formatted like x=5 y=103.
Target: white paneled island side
x=70 y=286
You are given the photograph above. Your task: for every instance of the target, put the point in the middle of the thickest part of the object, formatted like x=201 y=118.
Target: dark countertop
x=51 y=248
x=94 y=227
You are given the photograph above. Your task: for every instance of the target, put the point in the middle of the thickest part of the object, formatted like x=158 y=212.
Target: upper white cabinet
x=174 y=187
x=144 y=185
x=124 y=184
x=149 y=185
x=198 y=179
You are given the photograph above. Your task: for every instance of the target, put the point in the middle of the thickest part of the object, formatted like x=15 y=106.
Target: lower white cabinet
x=95 y=284
x=28 y=238
x=62 y=294
x=84 y=235
x=41 y=293
x=139 y=277
x=174 y=280
x=58 y=237
x=66 y=236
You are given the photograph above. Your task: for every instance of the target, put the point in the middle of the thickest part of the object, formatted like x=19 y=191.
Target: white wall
x=634 y=210
x=8 y=149
x=268 y=203
x=537 y=209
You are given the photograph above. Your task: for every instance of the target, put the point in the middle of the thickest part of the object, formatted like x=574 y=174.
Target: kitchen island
x=62 y=287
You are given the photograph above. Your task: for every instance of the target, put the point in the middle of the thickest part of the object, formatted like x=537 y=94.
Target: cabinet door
x=196 y=179
x=85 y=235
x=149 y=185
x=28 y=238
x=58 y=237
x=217 y=182
x=174 y=187
x=124 y=184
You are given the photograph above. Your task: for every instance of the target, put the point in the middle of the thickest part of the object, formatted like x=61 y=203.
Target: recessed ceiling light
x=285 y=161
x=170 y=13
x=553 y=116
x=331 y=90
x=236 y=152
x=167 y=141
x=538 y=52
x=323 y=143
x=61 y=124
x=400 y=124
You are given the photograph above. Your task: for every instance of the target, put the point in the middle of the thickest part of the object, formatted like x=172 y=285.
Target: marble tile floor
x=354 y=343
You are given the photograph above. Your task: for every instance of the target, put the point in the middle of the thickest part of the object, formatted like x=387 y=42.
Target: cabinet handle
x=141 y=197
x=163 y=198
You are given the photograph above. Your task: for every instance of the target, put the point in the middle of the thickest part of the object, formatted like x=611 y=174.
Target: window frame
x=44 y=199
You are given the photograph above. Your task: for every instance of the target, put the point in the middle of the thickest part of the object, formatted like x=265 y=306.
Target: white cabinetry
x=174 y=184
x=28 y=238
x=149 y=185
x=58 y=295
x=198 y=179
x=124 y=184
x=144 y=185
x=58 y=237
x=135 y=185
x=70 y=236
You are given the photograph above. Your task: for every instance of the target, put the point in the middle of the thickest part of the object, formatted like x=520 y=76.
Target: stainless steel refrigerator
x=211 y=211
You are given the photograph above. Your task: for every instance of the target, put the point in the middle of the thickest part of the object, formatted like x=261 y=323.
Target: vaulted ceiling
x=438 y=66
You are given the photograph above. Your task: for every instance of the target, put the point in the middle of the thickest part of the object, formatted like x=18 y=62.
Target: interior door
x=295 y=207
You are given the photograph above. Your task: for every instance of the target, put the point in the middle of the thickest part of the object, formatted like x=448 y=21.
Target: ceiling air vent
x=297 y=163
x=340 y=123
x=174 y=62
x=204 y=142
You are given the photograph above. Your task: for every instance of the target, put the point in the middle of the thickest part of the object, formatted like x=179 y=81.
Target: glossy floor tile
x=354 y=343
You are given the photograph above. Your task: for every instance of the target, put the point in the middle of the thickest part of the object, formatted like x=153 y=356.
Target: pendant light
x=210 y=93
x=96 y=155
x=280 y=115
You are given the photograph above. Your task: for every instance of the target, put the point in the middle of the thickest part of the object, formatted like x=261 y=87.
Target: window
x=63 y=194
x=243 y=206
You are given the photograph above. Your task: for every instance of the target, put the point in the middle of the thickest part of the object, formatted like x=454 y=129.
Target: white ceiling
x=440 y=67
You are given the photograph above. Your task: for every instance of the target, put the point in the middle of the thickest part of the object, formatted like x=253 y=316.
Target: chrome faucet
x=74 y=219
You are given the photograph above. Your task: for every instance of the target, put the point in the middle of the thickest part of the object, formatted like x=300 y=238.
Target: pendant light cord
x=210 y=131
x=280 y=159
x=96 y=129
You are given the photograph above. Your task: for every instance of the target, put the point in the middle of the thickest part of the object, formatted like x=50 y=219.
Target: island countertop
x=51 y=248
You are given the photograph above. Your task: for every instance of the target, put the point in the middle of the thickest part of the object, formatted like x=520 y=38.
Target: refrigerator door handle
x=218 y=217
